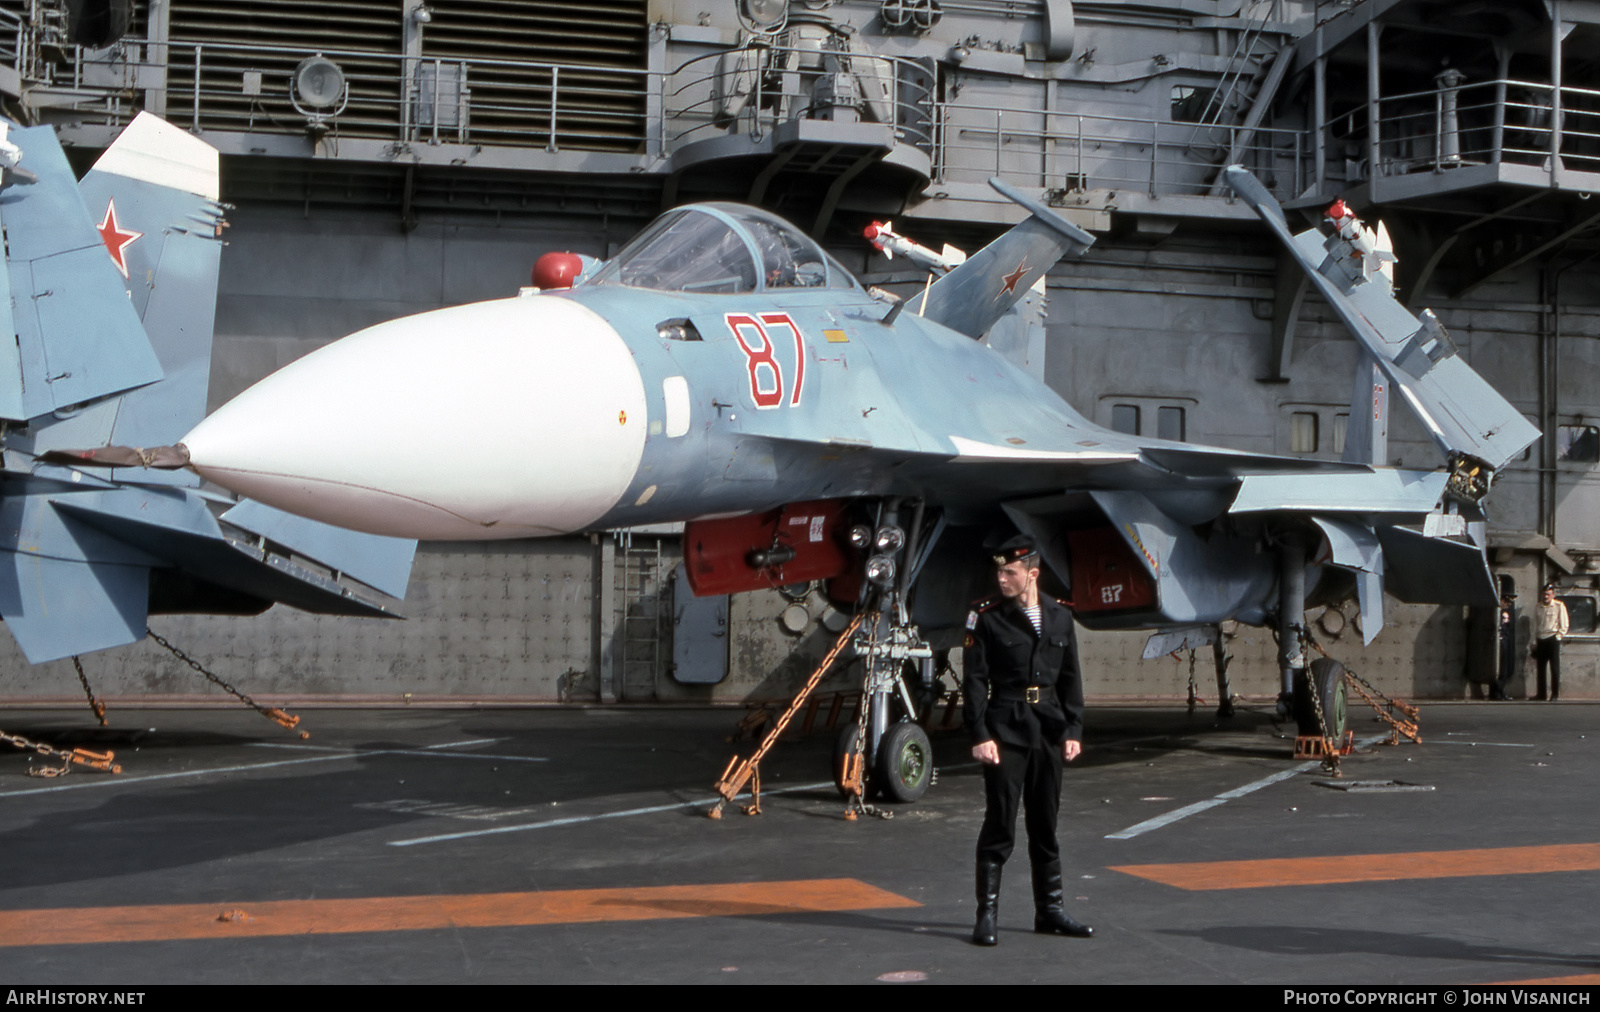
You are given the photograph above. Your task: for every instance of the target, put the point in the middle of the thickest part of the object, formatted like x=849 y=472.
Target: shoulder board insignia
x=1063 y=602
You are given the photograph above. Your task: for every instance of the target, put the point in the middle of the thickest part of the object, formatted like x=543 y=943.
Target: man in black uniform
x=1024 y=710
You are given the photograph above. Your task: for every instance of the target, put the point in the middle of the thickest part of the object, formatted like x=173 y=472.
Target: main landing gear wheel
x=905 y=763
x=1327 y=675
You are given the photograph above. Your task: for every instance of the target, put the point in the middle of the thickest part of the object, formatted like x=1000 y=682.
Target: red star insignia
x=116 y=238
x=1015 y=276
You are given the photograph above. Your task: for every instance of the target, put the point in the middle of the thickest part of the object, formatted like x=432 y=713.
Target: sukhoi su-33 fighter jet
x=724 y=371
x=111 y=287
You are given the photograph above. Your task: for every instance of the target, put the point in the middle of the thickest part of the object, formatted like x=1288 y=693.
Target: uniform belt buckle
x=1032 y=694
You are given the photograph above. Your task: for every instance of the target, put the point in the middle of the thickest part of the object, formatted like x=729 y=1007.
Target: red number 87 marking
x=766 y=374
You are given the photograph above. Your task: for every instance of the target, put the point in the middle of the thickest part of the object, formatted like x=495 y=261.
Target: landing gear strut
x=1291 y=617
x=882 y=756
x=878 y=755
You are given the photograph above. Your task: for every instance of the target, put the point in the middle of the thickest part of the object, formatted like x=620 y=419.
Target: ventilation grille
x=600 y=107
x=240 y=39
x=494 y=45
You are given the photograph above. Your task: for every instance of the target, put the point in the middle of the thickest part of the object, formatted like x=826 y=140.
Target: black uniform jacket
x=1004 y=657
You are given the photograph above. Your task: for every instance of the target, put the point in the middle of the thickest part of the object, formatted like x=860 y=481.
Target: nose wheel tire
x=905 y=763
x=1326 y=678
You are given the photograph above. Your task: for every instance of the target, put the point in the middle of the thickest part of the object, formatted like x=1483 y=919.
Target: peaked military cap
x=1015 y=550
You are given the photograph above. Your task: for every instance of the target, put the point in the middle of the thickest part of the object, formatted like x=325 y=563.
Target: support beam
x=830 y=202
x=1289 y=293
x=1532 y=254
x=1319 y=120
x=158 y=21
x=1419 y=285
x=1374 y=112
x=764 y=178
x=1556 y=35
x=1291 y=612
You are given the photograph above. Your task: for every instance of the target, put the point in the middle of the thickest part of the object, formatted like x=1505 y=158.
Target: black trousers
x=1033 y=777
x=1508 y=662
x=1547 y=652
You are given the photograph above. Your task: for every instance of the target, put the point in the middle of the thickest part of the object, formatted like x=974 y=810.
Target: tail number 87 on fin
x=758 y=339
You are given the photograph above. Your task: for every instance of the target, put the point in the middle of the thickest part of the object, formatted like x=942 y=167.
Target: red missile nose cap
x=871 y=231
x=1338 y=211
x=557 y=270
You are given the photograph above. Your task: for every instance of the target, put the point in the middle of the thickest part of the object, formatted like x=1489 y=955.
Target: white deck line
x=1139 y=829
x=115 y=780
x=573 y=820
x=425 y=750
x=334 y=752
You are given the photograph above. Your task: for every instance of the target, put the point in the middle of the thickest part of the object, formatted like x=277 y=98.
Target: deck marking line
x=1201 y=876
x=1498 y=744
x=118 y=781
x=352 y=748
x=1168 y=819
x=1582 y=978
x=170 y=922
x=467 y=834
x=424 y=750
x=466 y=755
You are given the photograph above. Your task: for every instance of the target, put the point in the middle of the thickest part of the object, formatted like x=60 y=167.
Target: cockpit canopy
x=723 y=249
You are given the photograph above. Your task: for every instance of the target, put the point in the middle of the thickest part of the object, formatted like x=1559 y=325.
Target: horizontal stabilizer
x=1423 y=570
x=1464 y=415
x=183 y=534
x=379 y=562
x=977 y=293
x=1215 y=462
x=1385 y=491
x=66 y=589
x=59 y=608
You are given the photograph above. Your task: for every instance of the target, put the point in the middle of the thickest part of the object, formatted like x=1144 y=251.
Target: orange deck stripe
x=1582 y=978
x=1291 y=871
x=419 y=913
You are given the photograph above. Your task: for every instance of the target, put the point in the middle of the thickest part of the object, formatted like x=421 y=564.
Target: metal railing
x=511 y=103
x=1478 y=123
x=13 y=38
x=749 y=92
x=1075 y=152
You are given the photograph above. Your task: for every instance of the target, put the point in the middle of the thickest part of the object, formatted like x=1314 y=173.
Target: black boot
x=1049 y=914
x=988 y=903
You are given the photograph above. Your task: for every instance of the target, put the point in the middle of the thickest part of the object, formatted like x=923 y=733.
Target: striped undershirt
x=1032 y=611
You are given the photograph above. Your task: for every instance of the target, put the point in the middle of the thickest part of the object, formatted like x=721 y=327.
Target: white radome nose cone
x=510 y=419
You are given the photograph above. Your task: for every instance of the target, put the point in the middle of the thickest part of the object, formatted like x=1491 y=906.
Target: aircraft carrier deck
x=542 y=846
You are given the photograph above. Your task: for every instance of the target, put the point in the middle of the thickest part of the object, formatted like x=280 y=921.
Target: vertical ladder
x=641 y=619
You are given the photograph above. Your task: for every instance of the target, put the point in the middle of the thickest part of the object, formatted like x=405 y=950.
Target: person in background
x=1547 y=646
x=1508 y=646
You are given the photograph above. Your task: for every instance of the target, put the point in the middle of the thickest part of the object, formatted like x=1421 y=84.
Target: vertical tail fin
x=154 y=193
x=976 y=294
x=75 y=339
